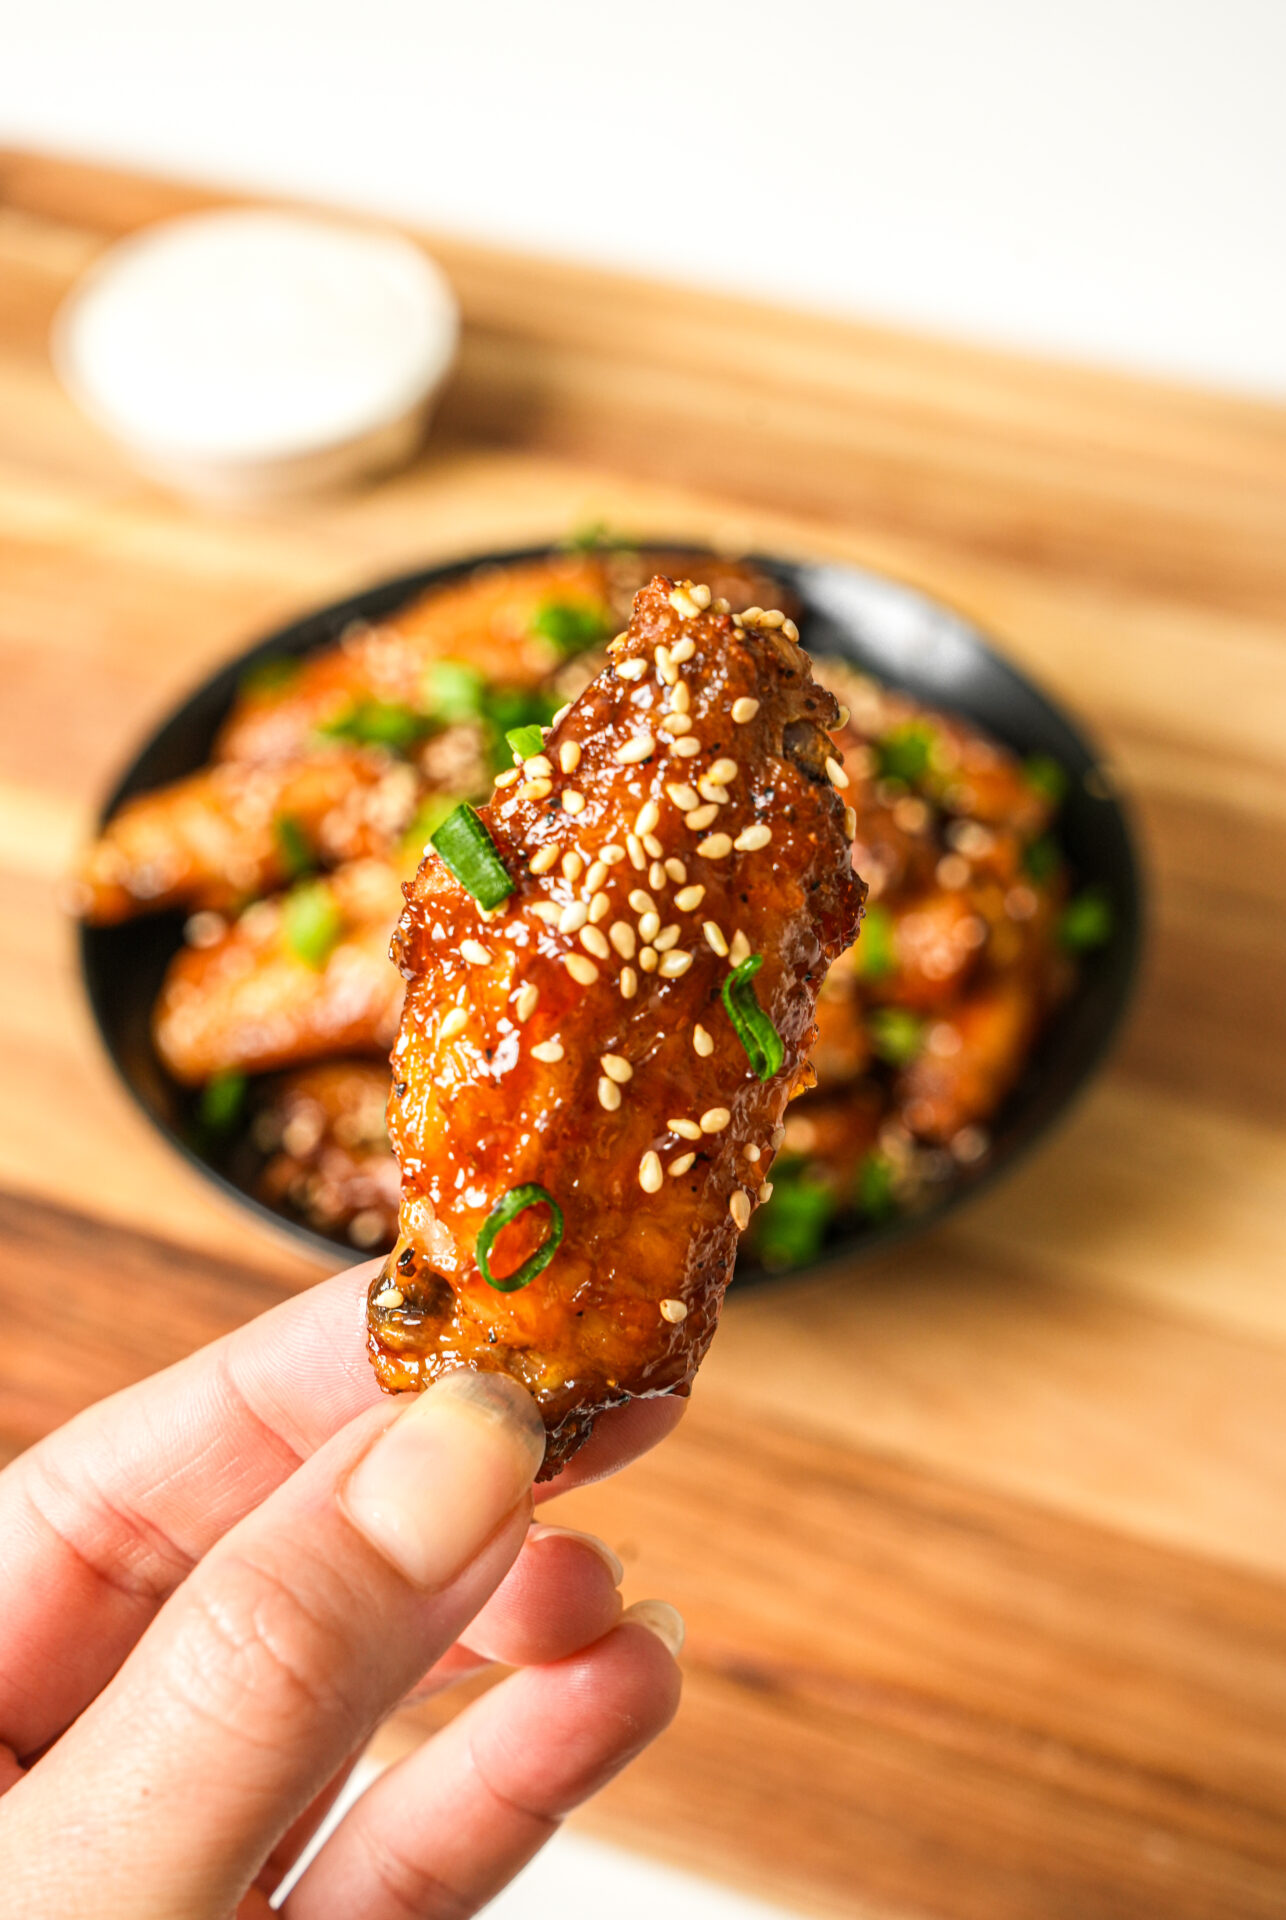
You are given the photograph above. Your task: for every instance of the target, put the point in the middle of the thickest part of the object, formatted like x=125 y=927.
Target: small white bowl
x=244 y=355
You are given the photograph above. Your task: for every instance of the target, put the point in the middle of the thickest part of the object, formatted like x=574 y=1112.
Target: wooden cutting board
x=982 y=1546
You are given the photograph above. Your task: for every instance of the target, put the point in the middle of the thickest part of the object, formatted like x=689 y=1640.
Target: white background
x=1104 y=179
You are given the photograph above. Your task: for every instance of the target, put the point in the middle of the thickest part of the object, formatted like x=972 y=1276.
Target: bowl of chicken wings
x=257 y=856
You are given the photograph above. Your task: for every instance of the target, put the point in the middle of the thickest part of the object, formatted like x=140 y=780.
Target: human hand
x=214 y=1585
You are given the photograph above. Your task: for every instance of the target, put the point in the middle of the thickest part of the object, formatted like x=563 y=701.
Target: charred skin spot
x=808 y=748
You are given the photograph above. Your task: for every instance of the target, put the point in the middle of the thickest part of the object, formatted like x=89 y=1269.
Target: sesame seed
x=475 y=953
x=582 y=971
x=715 y=846
x=667 y=938
x=681 y=795
x=631 y=669
x=569 y=756
x=609 y=1094
x=725 y=772
x=535 y=789
x=647 y=959
x=676 y=870
x=751 y=839
x=676 y=723
x=680 y=698
x=686 y=747
x=712 y=791
x=593 y=942
x=596 y=876
x=765 y=1192
x=686 y=1129
x=744 y=710
x=649 y=925
x=790 y=630
x=739 y=949
x=634 y=846
x=611 y=855
x=656 y=875
x=548 y=1052
x=752 y=1153
x=527 y=998
x=642 y=902
x=681 y=1165
x=616 y=1068
x=714 y=938
x=573 y=802
x=453 y=1022
x=683 y=603
x=509 y=779
x=773 y=619
x=715 y=1120
x=640 y=747
x=538 y=767
x=739 y=1208
x=701 y=594
x=561 y=715
x=652 y=846
x=689 y=898
x=674 y=1310
x=836 y=773
x=850 y=821
x=843 y=717
x=621 y=935
x=650 y=1175
x=778 y=1135
x=572 y=917
x=674 y=965
x=629 y=983
x=572 y=864
x=702 y=1043
x=543 y=859
x=683 y=649
x=547 y=911
x=721 y=605
x=599 y=907
x=666 y=667
x=701 y=817
x=752 y=616
x=648 y=816
x=392 y=1297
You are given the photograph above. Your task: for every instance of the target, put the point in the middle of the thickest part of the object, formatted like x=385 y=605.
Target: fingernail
x=660 y=1618
x=590 y=1540
x=437 y=1483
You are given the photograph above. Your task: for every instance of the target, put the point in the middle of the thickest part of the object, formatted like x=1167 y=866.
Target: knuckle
x=409 y=1886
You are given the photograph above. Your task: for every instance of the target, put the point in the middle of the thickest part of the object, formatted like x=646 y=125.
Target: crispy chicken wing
x=329 y=1160
x=295 y=978
x=227 y=834
x=577 y=1078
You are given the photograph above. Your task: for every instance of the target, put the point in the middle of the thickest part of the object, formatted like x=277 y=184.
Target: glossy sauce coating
x=576 y=1038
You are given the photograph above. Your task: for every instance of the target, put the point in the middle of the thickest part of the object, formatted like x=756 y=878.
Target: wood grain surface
x=982 y=1545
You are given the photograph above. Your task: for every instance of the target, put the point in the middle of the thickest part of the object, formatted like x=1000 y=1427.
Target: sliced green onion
x=293 y=846
x=873 y=1192
x=311 y=922
x=454 y=691
x=755 y=1030
x=876 y=949
x=509 y=707
x=517 y=1201
x=1042 y=859
x=572 y=627
x=377 y=723
x=525 y=742
x=222 y=1101
x=905 y=752
x=1046 y=775
x=269 y=676
x=470 y=853
x=895 y=1034
x=1087 y=921
x=790 y=1228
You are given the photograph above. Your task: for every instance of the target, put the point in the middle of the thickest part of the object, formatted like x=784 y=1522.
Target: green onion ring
x=517 y=1201
x=755 y=1030
x=525 y=742
x=470 y=852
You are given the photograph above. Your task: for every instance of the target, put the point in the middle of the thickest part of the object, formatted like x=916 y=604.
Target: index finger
x=104 y=1518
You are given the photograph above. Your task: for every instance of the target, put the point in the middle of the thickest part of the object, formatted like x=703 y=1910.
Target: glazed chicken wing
x=590 y=1079
x=227 y=834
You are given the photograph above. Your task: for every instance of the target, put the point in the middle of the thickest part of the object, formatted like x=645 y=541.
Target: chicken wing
x=329 y=1160
x=589 y=1080
x=228 y=834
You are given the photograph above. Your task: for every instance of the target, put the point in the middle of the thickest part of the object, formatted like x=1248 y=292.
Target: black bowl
x=898 y=634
